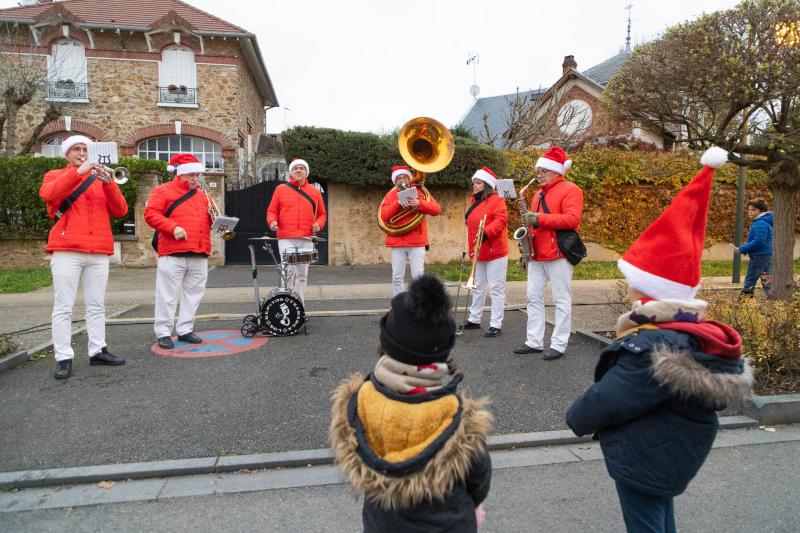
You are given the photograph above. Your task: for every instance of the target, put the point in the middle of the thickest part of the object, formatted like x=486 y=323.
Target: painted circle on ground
x=216 y=343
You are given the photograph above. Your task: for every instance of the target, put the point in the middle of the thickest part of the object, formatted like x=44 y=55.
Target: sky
x=371 y=65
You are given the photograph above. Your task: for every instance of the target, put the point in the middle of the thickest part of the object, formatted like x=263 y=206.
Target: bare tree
x=729 y=79
x=539 y=118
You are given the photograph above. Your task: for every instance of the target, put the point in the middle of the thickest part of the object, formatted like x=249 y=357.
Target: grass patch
x=13 y=280
x=584 y=270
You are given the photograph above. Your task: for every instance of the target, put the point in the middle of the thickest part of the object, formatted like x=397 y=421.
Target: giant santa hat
x=664 y=262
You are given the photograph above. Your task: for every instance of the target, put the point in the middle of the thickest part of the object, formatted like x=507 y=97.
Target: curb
x=24 y=479
x=14 y=359
x=768 y=410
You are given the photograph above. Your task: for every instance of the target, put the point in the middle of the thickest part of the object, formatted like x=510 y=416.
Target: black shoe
x=63 y=369
x=191 y=338
x=527 y=349
x=471 y=325
x=492 y=332
x=165 y=343
x=552 y=354
x=104 y=357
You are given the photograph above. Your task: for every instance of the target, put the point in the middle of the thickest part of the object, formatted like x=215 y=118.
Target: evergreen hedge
x=23 y=213
x=366 y=159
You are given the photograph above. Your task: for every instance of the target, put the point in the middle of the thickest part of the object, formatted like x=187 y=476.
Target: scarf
x=410 y=379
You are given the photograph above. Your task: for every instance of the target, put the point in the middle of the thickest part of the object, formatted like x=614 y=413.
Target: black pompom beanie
x=419 y=328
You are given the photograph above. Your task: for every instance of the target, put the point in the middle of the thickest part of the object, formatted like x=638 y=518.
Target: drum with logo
x=282 y=313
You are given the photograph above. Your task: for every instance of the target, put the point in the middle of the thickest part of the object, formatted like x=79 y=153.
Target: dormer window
x=177 y=78
x=67 y=75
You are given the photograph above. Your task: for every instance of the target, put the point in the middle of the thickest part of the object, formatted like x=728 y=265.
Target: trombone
x=470 y=284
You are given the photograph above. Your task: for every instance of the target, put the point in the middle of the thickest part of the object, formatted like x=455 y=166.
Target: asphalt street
x=740 y=489
x=271 y=399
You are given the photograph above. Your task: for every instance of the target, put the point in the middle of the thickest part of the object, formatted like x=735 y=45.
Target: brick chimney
x=568 y=64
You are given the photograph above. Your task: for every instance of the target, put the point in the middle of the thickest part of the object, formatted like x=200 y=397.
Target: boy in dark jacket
x=758 y=247
x=406 y=439
x=659 y=384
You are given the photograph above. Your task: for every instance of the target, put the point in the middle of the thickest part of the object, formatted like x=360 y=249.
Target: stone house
x=157 y=77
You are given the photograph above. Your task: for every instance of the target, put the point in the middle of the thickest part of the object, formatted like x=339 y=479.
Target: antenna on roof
x=474 y=60
x=628 y=37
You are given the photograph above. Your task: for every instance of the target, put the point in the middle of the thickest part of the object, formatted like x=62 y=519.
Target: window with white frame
x=177 y=68
x=52 y=146
x=67 y=74
x=207 y=152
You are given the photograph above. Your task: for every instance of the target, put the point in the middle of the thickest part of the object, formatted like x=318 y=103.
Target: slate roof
x=140 y=14
x=496 y=107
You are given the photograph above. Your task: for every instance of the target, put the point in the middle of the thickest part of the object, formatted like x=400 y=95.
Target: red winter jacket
x=565 y=203
x=417 y=236
x=495 y=230
x=191 y=215
x=85 y=227
x=294 y=213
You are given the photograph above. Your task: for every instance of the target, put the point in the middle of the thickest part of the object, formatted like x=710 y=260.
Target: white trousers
x=178 y=276
x=414 y=256
x=559 y=272
x=70 y=268
x=495 y=273
x=297 y=274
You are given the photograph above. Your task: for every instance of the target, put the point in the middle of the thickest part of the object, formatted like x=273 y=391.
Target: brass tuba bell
x=427 y=146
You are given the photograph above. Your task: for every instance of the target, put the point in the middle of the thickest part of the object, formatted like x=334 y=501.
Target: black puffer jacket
x=653 y=407
x=420 y=460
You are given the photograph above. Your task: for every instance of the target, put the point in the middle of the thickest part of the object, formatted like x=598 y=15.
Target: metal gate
x=250 y=206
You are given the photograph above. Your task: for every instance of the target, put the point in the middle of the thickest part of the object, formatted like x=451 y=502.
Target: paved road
x=741 y=489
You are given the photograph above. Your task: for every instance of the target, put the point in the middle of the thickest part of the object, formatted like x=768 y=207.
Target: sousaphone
x=426 y=145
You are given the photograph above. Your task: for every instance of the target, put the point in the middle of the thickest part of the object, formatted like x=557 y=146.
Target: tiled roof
x=125 y=13
x=496 y=108
x=603 y=72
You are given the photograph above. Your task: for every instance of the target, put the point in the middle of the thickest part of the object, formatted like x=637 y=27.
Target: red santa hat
x=664 y=262
x=486 y=176
x=554 y=159
x=69 y=142
x=185 y=164
x=295 y=162
x=400 y=170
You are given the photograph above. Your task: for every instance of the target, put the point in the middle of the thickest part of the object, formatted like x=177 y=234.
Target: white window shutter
x=177 y=67
x=67 y=62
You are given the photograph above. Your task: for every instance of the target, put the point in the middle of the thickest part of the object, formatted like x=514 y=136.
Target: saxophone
x=522 y=235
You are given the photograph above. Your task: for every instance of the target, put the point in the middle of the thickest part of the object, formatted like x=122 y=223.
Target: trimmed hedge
x=23 y=213
x=366 y=159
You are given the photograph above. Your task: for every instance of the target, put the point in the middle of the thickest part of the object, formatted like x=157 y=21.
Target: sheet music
x=104 y=153
x=405 y=195
x=505 y=188
x=223 y=223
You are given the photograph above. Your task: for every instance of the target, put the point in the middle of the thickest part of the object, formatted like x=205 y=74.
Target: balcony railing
x=67 y=90
x=177 y=95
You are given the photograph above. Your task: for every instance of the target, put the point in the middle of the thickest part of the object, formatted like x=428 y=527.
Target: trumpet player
x=80 y=200
x=179 y=212
x=492 y=258
x=407 y=248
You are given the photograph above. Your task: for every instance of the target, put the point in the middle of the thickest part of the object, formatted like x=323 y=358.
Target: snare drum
x=300 y=257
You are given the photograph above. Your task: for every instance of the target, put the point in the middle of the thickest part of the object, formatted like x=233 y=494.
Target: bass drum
x=282 y=313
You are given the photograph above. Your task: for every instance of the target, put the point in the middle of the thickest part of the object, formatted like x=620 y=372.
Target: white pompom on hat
x=296 y=162
x=185 y=164
x=555 y=159
x=69 y=142
x=486 y=176
x=400 y=170
x=664 y=262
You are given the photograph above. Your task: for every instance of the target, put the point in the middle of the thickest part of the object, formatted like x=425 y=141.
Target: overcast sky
x=370 y=65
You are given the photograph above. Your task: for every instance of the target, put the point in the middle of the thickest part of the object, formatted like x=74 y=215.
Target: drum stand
x=282 y=312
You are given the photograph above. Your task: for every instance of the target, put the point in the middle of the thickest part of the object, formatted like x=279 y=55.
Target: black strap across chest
x=66 y=204
x=304 y=195
x=473 y=206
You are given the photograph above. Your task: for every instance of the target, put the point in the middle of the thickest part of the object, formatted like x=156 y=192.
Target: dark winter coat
x=759 y=237
x=419 y=460
x=653 y=407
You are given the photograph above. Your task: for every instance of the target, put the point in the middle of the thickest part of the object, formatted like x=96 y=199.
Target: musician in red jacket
x=563 y=211
x=80 y=201
x=178 y=211
x=408 y=248
x=493 y=254
x=297 y=213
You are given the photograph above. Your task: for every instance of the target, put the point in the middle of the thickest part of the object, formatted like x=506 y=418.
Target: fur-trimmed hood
x=424 y=470
x=713 y=381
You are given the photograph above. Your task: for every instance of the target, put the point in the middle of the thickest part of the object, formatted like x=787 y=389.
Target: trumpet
x=119 y=175
x=213 y=213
